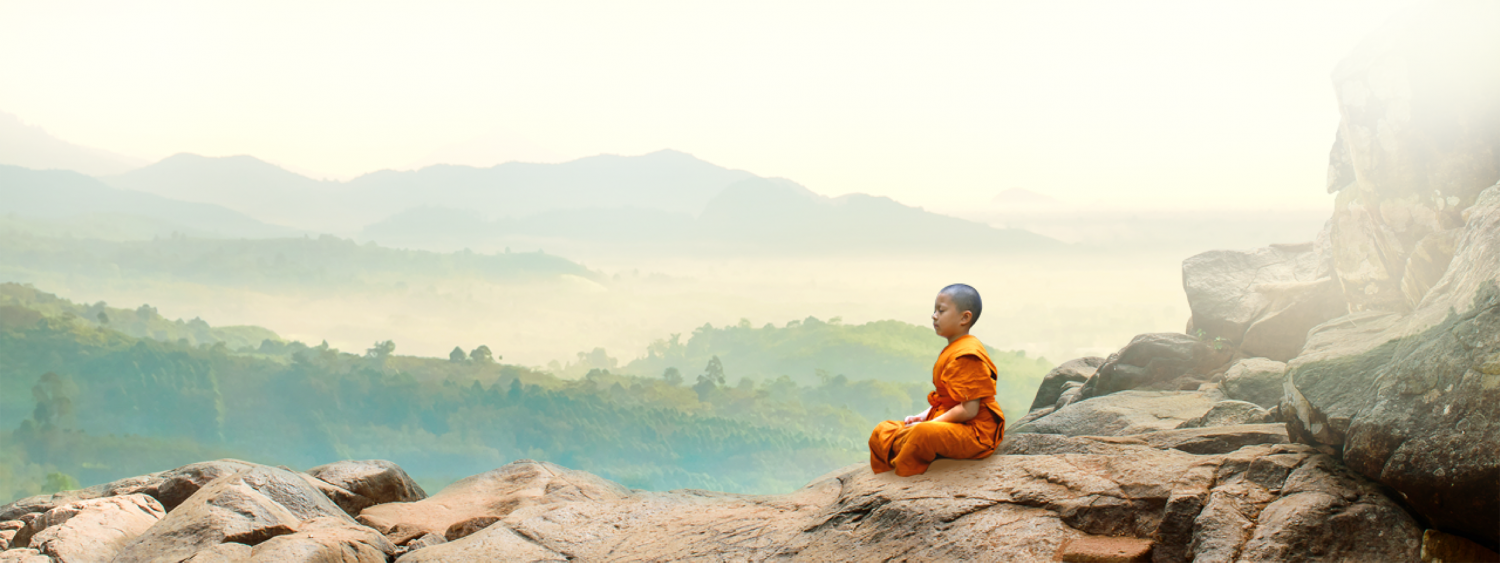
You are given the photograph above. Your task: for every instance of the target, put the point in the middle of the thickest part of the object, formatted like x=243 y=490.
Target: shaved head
x=966 y=298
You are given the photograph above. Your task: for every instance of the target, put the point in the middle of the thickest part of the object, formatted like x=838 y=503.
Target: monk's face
x=947 y=320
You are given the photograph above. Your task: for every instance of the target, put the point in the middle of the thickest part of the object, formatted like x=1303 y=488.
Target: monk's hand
x=919 y=417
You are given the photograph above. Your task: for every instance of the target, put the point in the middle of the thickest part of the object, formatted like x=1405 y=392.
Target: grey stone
x=1156 y=361
x=247 y=507
x=168 y=487
x=1122 y=413
x=23 y=555
x=1229 y=413
x=1262 y=301
x=323 y=539
x=93 y=531
x=379 y=481
x=1255 y=380
x=493 y=494
x=1053 y=384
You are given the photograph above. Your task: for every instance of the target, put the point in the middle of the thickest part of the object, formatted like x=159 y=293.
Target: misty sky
x=1138 y=104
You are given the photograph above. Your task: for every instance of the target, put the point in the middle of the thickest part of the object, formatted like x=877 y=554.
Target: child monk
x=963 y=420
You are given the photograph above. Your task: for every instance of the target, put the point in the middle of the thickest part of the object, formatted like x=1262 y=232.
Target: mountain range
x=666 y=199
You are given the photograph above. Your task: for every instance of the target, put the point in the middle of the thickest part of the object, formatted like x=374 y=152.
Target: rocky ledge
x=1228 y=493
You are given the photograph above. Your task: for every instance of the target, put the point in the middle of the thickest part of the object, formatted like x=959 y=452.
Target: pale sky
x=1133 y=104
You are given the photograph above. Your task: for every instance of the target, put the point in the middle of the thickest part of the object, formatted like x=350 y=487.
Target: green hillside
x=325 y=262
x=811 y=351
x=86 y=402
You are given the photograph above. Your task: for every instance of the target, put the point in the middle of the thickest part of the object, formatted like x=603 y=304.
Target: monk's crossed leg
x=918 y=445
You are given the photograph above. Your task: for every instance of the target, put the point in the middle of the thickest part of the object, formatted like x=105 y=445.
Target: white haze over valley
x=1128 y=135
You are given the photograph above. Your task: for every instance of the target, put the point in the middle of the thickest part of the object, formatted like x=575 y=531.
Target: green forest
x=91 y=393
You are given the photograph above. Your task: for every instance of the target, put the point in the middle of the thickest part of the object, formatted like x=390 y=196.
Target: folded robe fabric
x=963 y=372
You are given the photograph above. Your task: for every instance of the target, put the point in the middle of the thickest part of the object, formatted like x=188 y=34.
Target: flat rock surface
x=1021 y=504
x=494 y=494
x=1123 y=413
x=326 y=539
x=247 y=507
x=93 y=531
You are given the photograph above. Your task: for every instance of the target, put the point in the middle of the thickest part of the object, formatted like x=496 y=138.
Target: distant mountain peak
x=29 y=146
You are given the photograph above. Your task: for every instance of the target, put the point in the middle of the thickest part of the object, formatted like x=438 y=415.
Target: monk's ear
x=966 y=319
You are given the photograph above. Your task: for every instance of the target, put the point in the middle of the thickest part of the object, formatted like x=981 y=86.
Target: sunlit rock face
x=1418 y=141
x=1403 y=388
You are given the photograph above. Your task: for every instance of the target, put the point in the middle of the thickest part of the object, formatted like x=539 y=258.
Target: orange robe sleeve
x=968 y=379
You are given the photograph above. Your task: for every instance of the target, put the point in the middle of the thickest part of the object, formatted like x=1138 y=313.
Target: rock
x=178 y=484
x=1325 y=509
x=169 y=488
x=1328 y=384
x=8 y=531
x=248 y=507
x=494 y=494
x=94 y=530
x=497 y=543
x=1229 y=413
x=1417 y=133
x=1254 y=380
x=323 y=539
x=347 y=501
x=1154 y=361
x=23 y=555
x=468 y=527
x=1072 y=391
x=379 y=481
x=22 y=537
x=1076 y=370
x=426 y=541
x=1281 y=330
x=1030 y=416
x=1428 y=262
x=1036 y=495
x=1216 y=439
x=1431 y=423
x=1262 y=301
x=1122 y=413
x=223 y=553
x=1438 y=547
x=1105 y=550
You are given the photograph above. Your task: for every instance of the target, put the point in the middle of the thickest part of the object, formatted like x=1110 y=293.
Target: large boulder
x=1262 y=301
x=324 y=539
x=93 y=531
x=1279 y=502
x=23 y=555
x=1418 y=141
x=248 y=507
x=1162 y=360
x=169 y=488
x=1414 y=400
x=1123 y=413
x=491 y=495
x=1229 y=413
x=1076 y=370
x=1254 y=380
x=1405 y=388
x=371 y=482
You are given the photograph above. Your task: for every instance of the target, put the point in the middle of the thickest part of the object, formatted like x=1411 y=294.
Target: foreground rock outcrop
x=1221 y=493
x=225 y=510
x=1262 y=502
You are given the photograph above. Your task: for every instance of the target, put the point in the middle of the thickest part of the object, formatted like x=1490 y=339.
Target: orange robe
x=963 y=372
